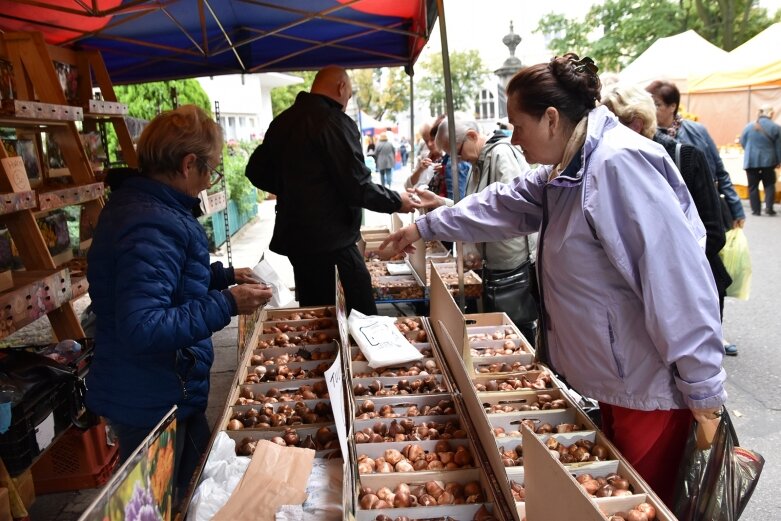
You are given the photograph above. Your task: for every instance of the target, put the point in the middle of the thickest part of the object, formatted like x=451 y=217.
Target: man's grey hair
x=463 y=124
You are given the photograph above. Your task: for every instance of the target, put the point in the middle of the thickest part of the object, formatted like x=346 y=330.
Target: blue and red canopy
x=148 y=40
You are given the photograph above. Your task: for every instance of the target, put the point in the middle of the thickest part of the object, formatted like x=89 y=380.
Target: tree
x=617 y=31
x=381 y=92
x=283 y=97
x=147 y=100
x=728 y=23
x=467 y=73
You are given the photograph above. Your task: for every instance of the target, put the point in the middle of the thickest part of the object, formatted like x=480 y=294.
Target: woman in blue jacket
x=156 y=299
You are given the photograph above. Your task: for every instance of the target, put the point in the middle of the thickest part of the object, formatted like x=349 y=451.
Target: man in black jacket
x=311 y=158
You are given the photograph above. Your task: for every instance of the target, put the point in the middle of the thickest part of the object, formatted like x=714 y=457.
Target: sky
x=482 y=25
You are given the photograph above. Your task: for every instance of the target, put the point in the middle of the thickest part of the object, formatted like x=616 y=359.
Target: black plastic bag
x=716 y=483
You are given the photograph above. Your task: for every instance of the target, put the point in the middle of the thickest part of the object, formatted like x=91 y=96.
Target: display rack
x=40 y=104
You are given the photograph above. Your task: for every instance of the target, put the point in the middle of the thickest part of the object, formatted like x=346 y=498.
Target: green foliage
x=147 y=100
x=234 y=162
x=727 y=23
x=283 y=97
x=381 y=93
x=467 y=73
x=615 y=32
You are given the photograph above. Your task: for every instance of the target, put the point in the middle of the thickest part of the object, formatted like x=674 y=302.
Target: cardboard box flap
x=542 y=474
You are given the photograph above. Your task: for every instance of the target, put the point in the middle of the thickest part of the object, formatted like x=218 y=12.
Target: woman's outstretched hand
x=428 y=199
x=402 y=240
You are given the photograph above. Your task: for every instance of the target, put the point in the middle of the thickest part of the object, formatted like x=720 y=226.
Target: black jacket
x=312 y=160
x=698 y=178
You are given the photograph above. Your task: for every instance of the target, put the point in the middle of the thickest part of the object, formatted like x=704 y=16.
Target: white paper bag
x=266 y=273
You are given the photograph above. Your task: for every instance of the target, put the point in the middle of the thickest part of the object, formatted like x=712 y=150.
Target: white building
x=245 y=101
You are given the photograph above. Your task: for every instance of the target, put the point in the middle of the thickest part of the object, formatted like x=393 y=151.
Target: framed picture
x=68 y=76
x=142 y=488
x=26 y=149
x=6 y=80
x=54 y=160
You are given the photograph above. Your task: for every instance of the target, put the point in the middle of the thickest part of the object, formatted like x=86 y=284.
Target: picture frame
x=68 y=77
x=56 y=166
x=7 y=90
x=26 y=149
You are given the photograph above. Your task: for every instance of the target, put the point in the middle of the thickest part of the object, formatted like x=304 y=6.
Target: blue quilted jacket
x=157 y=303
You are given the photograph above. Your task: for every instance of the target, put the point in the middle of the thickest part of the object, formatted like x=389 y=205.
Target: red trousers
x=652 y=441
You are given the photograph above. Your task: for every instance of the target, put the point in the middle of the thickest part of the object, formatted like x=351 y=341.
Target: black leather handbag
x=511 y=291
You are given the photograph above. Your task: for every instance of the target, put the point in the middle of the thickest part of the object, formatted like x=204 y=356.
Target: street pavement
x=753 y=377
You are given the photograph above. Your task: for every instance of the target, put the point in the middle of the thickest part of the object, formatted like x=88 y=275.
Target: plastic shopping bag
x=716 y=483
x=737 y=260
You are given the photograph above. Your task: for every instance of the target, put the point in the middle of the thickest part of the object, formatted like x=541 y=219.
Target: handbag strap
x=492 y=179
x=758 y=127
x=678 y=156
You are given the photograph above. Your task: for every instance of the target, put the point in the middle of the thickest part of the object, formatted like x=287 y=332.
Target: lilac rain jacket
x=631 y=305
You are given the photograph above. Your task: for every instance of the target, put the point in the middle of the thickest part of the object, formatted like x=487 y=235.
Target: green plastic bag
x=737 y=260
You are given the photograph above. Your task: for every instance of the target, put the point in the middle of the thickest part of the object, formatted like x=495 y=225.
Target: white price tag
x=333 y=379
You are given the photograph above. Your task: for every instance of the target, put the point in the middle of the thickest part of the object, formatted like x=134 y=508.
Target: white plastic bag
x=221 y=475
x=324 y=495
x=379 y=340
x=281 y=294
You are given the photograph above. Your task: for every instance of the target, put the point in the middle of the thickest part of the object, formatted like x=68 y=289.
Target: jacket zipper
x=619 y=368
x=543 y=353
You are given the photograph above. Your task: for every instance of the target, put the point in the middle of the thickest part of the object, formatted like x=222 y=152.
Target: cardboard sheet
x=276 y=476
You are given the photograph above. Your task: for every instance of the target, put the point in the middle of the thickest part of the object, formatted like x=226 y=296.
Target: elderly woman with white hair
x=493 y=160
x=635 y=108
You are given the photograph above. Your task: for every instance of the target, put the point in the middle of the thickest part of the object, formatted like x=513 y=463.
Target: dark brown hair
x=435 y=126
x=566 y=83
x=665 y=91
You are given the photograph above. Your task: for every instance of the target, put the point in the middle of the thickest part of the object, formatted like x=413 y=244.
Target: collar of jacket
x=308 y=96
x=168 y=195
x=600 y=120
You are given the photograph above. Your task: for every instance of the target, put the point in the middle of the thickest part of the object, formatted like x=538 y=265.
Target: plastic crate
x=79 y=459
x=19 y=445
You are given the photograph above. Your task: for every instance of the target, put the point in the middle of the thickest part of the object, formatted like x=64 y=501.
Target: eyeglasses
x=215 y=176
x=461 y=147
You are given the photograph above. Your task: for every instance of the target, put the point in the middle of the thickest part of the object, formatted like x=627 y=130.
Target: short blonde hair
x=628 y=103
x=173 y=134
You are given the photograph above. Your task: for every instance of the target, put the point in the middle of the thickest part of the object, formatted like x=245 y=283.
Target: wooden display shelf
x=53 y=199
x=77 y=267
x=103 y=109
x=36 y=110
x=215 y=202
x=16 y=201
x=35 y=293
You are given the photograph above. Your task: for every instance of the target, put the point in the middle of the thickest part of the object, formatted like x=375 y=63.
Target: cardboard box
x=541 y=472
x=25 y=487
x=5 y=506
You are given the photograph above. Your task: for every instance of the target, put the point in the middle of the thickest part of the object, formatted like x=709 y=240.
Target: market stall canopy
x=148 y=40
x=371 y=126
x=673 y=58
x=755 y=63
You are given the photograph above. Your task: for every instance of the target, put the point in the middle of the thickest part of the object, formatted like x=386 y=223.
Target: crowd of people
x=613 y=202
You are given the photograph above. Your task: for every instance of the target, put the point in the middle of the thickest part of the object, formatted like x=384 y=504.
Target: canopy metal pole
x=412 y=142
x=451 y=130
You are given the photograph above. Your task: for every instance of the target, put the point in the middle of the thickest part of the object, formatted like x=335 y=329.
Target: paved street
x=755 y=374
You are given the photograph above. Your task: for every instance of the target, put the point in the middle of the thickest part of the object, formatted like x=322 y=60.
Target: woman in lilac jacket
x=630 y=311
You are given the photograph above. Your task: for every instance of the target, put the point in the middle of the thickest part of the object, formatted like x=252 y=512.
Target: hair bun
x=578 y=76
